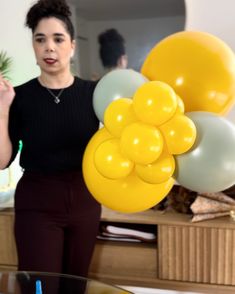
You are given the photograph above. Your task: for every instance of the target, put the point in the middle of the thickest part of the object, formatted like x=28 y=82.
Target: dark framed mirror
x=142 y=23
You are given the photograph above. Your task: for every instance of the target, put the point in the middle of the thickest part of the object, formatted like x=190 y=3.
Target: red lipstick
x=50 y=61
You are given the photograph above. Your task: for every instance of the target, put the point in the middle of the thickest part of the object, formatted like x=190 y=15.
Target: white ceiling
x=127 y=9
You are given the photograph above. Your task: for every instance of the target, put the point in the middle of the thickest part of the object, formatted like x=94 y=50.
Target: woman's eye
x=39 y=40
x=59 y=40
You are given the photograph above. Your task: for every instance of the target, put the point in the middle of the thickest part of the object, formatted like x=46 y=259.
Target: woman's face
x=52 y=46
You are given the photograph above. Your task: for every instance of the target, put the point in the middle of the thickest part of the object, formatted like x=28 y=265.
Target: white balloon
x=120 y=83
x=210 y=165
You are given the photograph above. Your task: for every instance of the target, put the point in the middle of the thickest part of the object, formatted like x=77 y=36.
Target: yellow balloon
x=159 y=171
x=180 y=106
x=199 y=66
x=118 y=115
x=141 y=143
x=127 y=195
x=179 y=134
x=155 y=102
x=109 y=161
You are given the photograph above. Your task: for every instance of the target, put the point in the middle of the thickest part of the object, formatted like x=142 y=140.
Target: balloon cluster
x=201 y=69
x=148 y=142
x=139 y=139
x=146 y=132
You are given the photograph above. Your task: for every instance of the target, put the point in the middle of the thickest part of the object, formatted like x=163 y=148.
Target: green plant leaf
x=5 y=64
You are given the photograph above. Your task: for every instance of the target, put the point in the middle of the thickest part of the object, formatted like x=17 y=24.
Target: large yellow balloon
x=199 y=66
x=141 y=143
x=110 y=162
x=129 y=194
x=155 y=102
x=179 y=134
x=118 y=115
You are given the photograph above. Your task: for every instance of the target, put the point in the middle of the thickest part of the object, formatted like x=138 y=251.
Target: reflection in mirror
x=143 y=23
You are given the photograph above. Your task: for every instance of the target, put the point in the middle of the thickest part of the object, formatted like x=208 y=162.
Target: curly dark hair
x=50 y=8
x=112 y=47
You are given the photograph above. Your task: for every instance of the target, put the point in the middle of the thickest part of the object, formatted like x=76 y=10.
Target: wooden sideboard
x=8 y=256
x=187 y=256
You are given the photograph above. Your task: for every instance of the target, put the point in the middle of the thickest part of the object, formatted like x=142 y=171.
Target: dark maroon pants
x=56 y=223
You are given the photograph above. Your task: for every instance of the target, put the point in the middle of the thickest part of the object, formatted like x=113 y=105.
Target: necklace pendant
x=57 y=100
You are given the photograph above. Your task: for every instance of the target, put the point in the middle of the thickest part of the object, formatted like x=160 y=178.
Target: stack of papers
x=128 y=233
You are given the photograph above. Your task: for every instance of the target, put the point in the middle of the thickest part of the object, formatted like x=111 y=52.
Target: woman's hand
x=7 y=94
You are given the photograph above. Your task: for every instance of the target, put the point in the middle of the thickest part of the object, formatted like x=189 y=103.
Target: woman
x=56 y=219
x=112 y=50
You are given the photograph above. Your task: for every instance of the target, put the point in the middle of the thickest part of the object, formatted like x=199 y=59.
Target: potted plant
x=5 y=64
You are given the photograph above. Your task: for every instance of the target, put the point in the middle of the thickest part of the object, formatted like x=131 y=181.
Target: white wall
x=215 y=17
x=212 y=16
x=75 y=61
x=83 y=48
x=15 y=39
x=140 y=35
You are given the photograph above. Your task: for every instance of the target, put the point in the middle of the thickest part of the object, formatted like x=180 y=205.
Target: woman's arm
x=7 y=95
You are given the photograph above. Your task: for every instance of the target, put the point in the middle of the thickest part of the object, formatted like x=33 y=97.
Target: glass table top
x=49 y=283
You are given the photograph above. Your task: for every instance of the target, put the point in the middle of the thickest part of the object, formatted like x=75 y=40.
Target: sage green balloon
x=120 y=83
x=209 y=166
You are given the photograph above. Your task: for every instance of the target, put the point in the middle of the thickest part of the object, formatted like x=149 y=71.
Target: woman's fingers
x=1 y=78
x=3 y=85
x=7 y=84
x=7 y=92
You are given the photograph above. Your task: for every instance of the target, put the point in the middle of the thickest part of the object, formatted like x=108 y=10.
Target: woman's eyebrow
x=55 y=34
x=39 y=35
x=58 y=35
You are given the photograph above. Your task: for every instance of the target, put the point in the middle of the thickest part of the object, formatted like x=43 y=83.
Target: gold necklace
x=56 y=97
